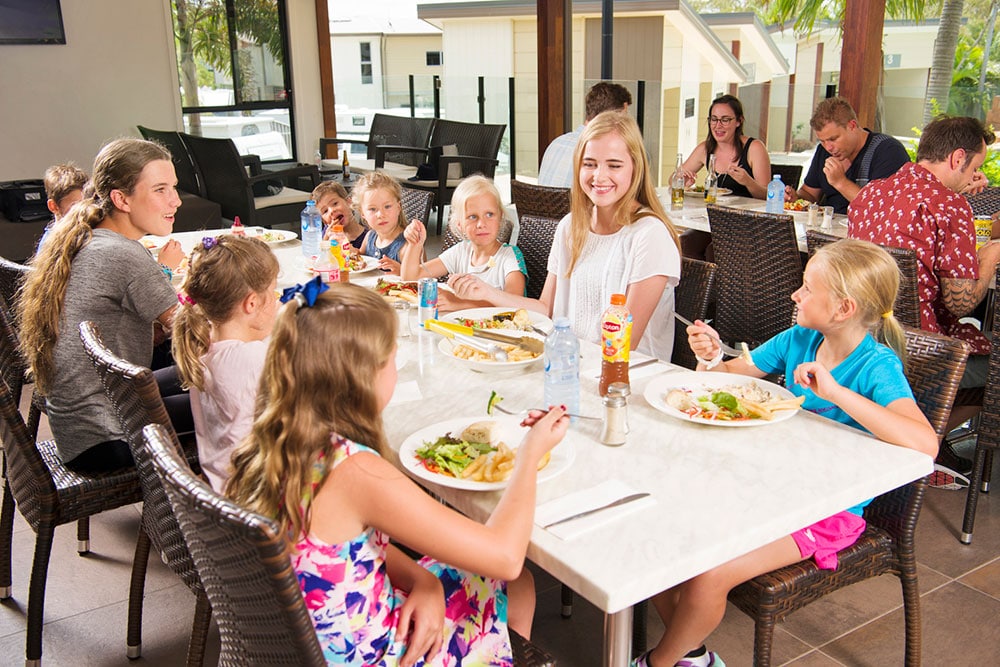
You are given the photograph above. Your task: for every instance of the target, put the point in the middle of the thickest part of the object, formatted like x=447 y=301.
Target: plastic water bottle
x=312 y=229
x=562 y=367
x=776 y=195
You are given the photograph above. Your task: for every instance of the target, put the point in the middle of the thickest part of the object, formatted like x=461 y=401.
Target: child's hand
x=389 y=265
x=421 y=621
x=468 y=286
x=547 y=430
x=813 y=375
x=702 y=340
x=415 y=233
x=171 y=254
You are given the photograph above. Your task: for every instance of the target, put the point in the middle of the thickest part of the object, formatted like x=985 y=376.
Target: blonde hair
x=218 y=280
x=318 y=380
x=641 y=190
x=118 y=166
x=470 y=187
x=868 y=275
x=378 y=180
x=63 y=179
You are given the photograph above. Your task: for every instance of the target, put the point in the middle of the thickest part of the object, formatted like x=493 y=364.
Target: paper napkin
x=585 y=499
x=406 y=391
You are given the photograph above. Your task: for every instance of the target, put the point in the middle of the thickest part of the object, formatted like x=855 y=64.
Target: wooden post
x=325 y=69
x=861 y=57
x=788 y=112
x=734 y=88
x=555 y=66
x=765 y=111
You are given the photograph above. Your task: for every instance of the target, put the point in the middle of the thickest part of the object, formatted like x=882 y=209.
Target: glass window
x=434 y=58
x=231 y=57
x=366 y=62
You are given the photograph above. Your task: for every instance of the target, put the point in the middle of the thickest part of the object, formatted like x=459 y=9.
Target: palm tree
x=943 y=60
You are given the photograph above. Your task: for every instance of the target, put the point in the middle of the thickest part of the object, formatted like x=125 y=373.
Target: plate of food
x=514 y=320
x=797 y=205
x=393 y=288
x=362 y=264
x=272 y=236
x=721 y=399
x=479 y=361
x=698 y=191
x=477 y=455
x=154 y=243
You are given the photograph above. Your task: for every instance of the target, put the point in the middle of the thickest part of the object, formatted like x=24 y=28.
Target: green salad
x=449 y=455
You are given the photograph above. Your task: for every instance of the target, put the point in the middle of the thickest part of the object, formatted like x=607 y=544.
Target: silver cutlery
x=728 y=350
x=517 y=413
x=616 y=503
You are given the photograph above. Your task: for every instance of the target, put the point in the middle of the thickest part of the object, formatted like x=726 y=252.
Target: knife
x=616 y=503
x=528 y=343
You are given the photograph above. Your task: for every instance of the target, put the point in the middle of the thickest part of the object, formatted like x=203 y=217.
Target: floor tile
x=986 y=579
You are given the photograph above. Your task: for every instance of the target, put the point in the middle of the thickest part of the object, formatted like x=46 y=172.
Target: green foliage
x=991 y=165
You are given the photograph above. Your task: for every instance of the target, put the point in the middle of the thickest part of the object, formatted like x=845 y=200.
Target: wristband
x=167 y=271
x=713 y=362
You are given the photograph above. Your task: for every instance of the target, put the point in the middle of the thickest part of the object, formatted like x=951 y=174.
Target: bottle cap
x=561 y=323
x=337 y=229
x=236 y=222
x=617 y=299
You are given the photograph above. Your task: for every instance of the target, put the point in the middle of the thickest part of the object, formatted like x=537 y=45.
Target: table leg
x=618 y=638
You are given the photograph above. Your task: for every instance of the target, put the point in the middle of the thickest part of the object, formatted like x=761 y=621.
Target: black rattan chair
x=790 y=173
x=934 y=367
x=196 y=211
x=135 y=396
x=759 y=268
x=12 y=277
x=388 y=130
x=417 y=204
x=47 y=493
x=691 y=299
x=986 y=202
x=534 y=238
x=907 y=305
x=539 y=200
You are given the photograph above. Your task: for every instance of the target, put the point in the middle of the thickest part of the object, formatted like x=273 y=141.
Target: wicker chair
x=47 y=493
x=534 y=238
x=988 y=433
x=986 y=202
x=12 y=277
x=691 y=299
x=135 y=396
x=934 y=366
x=417 y=204
x=790 y=173
x=758 y=269
x=907 y=306
x=539 y=200
x=388 y=130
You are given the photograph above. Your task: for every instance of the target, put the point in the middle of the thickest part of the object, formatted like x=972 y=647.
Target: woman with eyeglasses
x=741 y=162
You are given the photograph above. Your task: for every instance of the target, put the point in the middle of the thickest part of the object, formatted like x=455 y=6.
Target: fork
x=728 y=350
x=490 y=263
x=518 y=413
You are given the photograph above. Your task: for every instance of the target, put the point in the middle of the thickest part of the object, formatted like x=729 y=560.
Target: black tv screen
x=31 y=22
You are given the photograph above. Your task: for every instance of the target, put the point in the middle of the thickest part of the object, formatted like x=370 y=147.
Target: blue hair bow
x=305 y=294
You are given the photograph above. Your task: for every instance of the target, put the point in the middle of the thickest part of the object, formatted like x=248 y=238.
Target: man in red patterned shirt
x=919 y=207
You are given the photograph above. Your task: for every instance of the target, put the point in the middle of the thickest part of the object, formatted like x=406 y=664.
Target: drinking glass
x=813 y=210
x=403 y=314
x=827 y=217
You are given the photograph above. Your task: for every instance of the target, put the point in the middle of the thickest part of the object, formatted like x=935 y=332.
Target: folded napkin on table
x=406 y=391
x=586 y=499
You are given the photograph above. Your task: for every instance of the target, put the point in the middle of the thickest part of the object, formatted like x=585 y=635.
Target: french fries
x=496 y=466
x=767 y=410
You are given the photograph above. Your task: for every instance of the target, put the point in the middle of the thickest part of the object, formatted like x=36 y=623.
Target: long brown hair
x=219 y=278
x=734 y=103
x=118 y=166
x=641 y=190
x=317 y=380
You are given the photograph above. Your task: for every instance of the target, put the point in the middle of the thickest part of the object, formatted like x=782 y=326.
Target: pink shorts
x=825 y=538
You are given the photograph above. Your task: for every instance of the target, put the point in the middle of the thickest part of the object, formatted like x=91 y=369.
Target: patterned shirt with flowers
x=913 y=209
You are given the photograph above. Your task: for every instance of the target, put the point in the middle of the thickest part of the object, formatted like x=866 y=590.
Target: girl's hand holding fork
x=703 y=340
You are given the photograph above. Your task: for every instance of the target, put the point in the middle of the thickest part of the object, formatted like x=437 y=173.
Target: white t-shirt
x=608 y=265
x=223 y=411
x=508 y=259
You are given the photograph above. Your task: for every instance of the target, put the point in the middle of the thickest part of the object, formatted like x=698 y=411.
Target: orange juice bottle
x=616 y=340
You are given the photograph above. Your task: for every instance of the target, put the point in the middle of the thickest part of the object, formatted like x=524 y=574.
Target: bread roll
x=481 y=432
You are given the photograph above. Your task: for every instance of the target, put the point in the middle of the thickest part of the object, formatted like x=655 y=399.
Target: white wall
x=346 y=51
x=483 y=47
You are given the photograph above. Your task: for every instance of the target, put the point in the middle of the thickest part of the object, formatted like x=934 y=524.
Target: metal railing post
x=437 y=96
x=511 y=127
x=640 y=103
x=413 y=98
x=482 y=99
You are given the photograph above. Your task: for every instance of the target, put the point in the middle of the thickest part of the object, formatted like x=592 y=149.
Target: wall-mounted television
x=31 y=22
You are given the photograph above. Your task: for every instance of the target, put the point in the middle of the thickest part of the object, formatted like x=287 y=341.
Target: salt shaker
x=615 y=414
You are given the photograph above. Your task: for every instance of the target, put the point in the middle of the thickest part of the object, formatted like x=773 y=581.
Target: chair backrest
x=534 y=238
x=135 y=396
x=389 y=130
x=477 y=140
x=758 y=269
x=934 y=366
x=189 y=179
x=13 y=366
x=539 y=200
x=989 y=420
x=790 y=173
x=691 y=299
x=12 y=277
x=417 y=204
x=242 y=560
x=224 y=176
x=907 y=305
x=986 y=202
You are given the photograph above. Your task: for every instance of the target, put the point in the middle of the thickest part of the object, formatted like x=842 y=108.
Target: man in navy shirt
x=847 y=157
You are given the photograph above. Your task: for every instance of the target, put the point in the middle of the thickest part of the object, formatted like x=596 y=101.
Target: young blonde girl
x=221 y=330
x=334 y=205
x=330 y=371
x=832 y=359
x=92 y=267
x=378 y=198
x=616 y=239
x=477 y=215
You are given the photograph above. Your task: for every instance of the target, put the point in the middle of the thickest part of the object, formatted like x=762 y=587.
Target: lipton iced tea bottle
x=616 y=340
x=337 y=254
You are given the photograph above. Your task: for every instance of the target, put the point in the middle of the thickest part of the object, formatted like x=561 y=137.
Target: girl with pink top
x=221 y=332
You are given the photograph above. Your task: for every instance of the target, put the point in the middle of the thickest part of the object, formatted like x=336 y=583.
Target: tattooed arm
x=961 y=296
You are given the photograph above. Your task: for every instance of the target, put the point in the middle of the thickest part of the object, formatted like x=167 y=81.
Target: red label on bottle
x=612 y=327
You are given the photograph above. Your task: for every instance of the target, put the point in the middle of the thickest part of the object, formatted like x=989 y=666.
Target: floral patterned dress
x=356 y=609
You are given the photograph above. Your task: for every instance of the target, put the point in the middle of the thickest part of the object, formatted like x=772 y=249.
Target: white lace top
x=608 y=265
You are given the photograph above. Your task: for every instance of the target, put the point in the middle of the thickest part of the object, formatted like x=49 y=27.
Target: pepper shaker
x=615 y=414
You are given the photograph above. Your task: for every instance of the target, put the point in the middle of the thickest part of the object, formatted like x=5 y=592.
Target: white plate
x=656 y=394
x=508 y=429
x=446 y=345
x=537 y=319
x=371 y=264
x=700 y=194
x=154 y=243
x=272 y=236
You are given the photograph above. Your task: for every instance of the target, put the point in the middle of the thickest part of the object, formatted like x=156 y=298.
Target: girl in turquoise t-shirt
x=831 y=358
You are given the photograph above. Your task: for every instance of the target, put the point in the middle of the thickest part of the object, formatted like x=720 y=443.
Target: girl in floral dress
x=329 y=373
